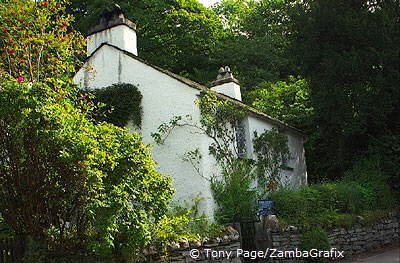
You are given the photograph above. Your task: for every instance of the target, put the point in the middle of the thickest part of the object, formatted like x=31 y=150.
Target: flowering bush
x=66 y=184
x=36 y=41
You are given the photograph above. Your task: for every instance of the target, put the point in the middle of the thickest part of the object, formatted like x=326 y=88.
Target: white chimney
x=226 y=84
x=113 y=29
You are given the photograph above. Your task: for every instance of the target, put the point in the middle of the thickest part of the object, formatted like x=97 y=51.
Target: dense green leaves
x=349 y=51
x=67 y=184
x=325 y=204
x=36 y=41
x=122 y=103
x=286 y=101
x=175 y=34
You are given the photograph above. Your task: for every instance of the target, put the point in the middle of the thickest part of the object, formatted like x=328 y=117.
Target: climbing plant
x=273 y=154
x=232 y=188
x=119 y=104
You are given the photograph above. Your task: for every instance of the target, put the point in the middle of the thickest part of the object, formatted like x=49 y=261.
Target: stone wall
x=354 y=240
x=214 y=250
x=217 y=249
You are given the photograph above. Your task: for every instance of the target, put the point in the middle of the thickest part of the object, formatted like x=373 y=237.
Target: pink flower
x=20 y=79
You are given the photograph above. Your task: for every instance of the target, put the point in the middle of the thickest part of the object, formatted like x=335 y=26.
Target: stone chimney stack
x=113 y=29
x=226 y=84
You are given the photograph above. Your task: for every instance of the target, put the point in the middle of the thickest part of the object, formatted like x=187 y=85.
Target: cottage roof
x=193 y=84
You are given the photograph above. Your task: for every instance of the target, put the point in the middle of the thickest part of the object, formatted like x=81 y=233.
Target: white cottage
x=113 y=58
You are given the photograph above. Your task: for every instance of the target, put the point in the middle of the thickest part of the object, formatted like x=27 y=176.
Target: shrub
x=315 y=238
x=182 y=222
x=98 y=185
x=236 y=200
x=363 y=189
x=328 y=196
x=371 y=217
x=345 y=220
x=353 y=198
x=290 y=205
x=122 y=104
x=374 y=182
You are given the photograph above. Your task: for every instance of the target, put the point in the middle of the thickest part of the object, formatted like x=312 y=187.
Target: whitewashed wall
x=298 y=176
x=163 y=98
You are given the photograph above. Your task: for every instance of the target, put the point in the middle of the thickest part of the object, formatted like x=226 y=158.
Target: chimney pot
x=226 y=84
x=114 y=29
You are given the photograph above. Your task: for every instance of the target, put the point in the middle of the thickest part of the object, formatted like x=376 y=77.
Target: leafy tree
x=66 y=183
x=256 y=43
x=349 y=51
x=175 y=34
x=286 y=101
x=36 y=41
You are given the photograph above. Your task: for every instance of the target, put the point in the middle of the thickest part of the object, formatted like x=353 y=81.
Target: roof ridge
x=200 y=87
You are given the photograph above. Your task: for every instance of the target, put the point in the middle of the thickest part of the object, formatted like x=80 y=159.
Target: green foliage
x=273 y=153
x=65 y=182
x=349 y=52
x=36 y=41
x=98 y=178
x=377 y=192
x=328 y=205
x=371 y=217
x=256 y=41
x=286 y=101
x=122 y=104
x=235 y=198
x=345 y=220
x=174 y=34
x=385 y=150
x=315 y=238
x=233 y=13
x=183 y=222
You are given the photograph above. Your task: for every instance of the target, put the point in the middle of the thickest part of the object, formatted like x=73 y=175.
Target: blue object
x=266 y=207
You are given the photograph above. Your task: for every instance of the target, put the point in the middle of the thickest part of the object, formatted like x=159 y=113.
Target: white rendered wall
x=121 y=36
x=163 y=98
x=295 y=178
x=230 y=89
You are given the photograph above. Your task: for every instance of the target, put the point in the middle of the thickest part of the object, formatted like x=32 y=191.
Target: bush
x=235 y=199
x=363 y=189
x=371 y=217
x=98 y=185
x=122 y=104
x=353 y=198
x=290 y=205
x=345 y=220
x=376 y=189
x=315 y=238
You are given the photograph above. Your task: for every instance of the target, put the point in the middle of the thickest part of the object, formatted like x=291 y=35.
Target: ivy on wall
x=120 y=103
x=273 y=154
x=233 y=188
